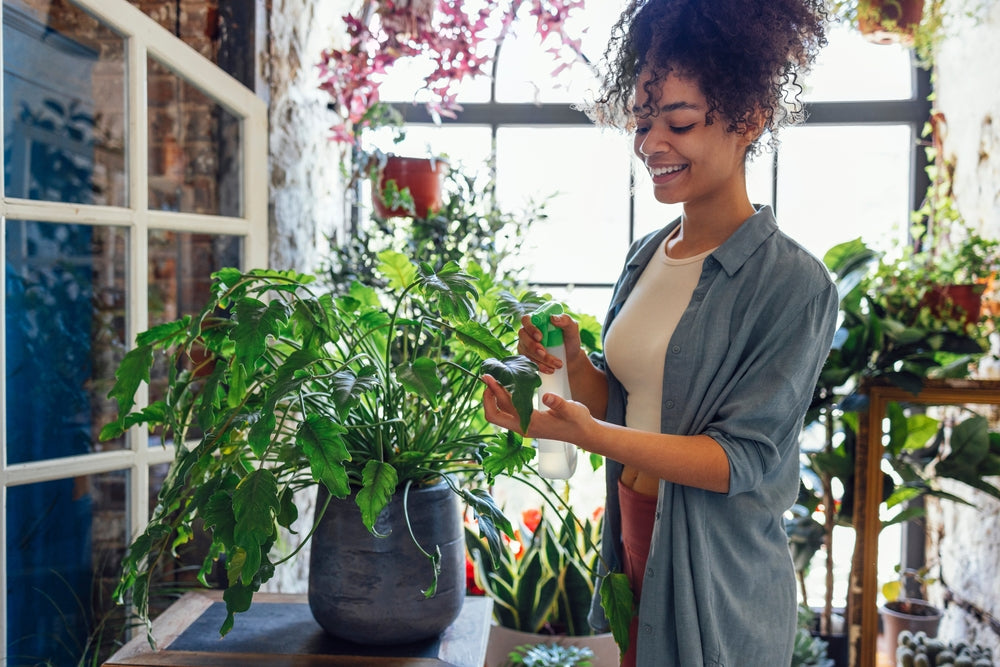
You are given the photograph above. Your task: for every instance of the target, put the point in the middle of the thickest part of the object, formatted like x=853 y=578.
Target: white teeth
x=660 y=171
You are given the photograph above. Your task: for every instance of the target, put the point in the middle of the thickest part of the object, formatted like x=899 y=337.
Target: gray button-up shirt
x=741 y=367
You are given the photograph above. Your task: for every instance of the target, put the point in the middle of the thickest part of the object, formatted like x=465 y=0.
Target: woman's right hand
x=529 y=343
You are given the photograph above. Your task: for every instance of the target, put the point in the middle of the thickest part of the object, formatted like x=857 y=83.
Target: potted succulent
x=461 y=41
x=542 y=585
x=279 y=385
x=550 y=654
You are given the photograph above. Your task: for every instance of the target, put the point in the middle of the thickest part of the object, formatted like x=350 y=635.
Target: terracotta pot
x=961 y=302
x=903 y=17
x=504 y=640
x=367 y=589
x=421 y=176
x=912 y=615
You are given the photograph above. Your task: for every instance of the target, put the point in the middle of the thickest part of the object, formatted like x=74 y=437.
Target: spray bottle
x=556 y=460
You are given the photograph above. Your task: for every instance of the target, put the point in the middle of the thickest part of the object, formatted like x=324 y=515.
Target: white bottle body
x=556 y=459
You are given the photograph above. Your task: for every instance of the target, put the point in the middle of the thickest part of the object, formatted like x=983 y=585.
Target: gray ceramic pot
x=367 y=589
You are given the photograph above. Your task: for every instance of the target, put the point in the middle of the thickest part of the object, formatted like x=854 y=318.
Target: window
x=855 y=168
x=126 y=183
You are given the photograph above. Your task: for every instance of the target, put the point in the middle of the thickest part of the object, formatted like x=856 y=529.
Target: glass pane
x=65 y=543
x=528 y=73
x=840 y=183
x=194 y=148
x=835 y=77
x=63 y=105
x=180 y=280
x=587 y=200
x=65 y=333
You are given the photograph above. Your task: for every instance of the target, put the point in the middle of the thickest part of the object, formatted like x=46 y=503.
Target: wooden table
x=279 y=630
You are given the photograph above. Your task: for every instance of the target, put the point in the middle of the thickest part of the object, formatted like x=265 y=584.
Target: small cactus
x=919 y=650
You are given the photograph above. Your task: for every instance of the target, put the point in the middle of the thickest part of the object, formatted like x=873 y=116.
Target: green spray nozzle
x=541 y=318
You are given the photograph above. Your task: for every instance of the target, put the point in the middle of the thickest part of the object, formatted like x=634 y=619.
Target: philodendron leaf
x=619 y=606
x=455 y=294
x=397 y=268
x=238 y=598
x=378 y=481
x=491 y=521
x=320 y=439
x=255 y=506
x=519 y=375
x=347 y=387
x=254 y=323
x=479 y=339
x=506 y=455
x=420 y=377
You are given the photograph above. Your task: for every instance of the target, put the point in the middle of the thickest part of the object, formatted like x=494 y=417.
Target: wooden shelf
x=280 y=630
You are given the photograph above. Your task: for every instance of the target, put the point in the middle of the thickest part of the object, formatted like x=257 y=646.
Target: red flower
x=531 y=518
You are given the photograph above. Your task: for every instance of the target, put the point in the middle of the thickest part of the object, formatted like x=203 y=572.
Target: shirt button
x=649 y=572
x=647 y=629
x=676 y=349
x=668 y=404
x=657 y=515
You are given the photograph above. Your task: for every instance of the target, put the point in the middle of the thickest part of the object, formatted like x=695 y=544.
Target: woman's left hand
x=567 y=421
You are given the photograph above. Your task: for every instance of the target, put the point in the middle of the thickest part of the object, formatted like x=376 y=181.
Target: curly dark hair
x=746 y=56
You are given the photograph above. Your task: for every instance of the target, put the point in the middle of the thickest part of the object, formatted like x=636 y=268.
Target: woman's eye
x=682 y=130
x=641 y=130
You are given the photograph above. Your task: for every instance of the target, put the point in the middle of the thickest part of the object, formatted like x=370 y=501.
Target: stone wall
x=306 y=191
x=967 y=539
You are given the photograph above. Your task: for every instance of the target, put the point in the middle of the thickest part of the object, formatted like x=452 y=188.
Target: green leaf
x=321 y=441
x=288 y=512
x=255 y=506
x=259 y=436
x=506 y=455
x=379 y=481
x=491 y=521
x=479 y=339
x=218 y=514
x=397 y=268
x=254 y=323
x=238 y=598
x=451 y=288
x=421 y=378
x=347 y=387
x=519 y=376
x=619 y=606
x=133 y=370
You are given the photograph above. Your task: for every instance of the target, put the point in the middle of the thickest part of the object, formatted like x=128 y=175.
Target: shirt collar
x=733 y=253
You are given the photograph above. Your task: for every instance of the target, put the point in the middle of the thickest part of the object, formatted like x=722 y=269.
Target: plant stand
x=280 y=630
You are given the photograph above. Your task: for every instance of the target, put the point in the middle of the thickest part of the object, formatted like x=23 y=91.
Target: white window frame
x=144 y=38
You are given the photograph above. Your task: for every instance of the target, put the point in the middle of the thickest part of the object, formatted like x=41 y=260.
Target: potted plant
x=542 y=585
x=461 y=41
x=918 y=24
x=901 y=613
x=372 y=398
x=885 y=336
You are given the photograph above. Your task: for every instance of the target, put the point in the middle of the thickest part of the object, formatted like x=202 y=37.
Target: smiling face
x=689 y=160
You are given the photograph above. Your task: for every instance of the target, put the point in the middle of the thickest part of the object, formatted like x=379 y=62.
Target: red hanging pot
x=960 y=302
x=421 y=177
x=890 y=21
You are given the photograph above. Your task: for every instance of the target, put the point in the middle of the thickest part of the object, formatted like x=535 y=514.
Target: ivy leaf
x=255 y=506
x=319 y=437
x=519 y=376
x=421 y=378
x=379 y=480
x=619 y=606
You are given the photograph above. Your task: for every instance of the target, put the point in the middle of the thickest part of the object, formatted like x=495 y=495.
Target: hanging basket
x=421 y=177
x=890 y=21
x=367 y=589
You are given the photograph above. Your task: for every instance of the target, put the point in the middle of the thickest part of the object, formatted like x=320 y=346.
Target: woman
x=717 y=330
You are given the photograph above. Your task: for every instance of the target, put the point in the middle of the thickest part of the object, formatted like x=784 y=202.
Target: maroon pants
x=638 y=513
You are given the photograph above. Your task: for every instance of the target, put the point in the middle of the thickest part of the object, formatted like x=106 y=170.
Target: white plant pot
x=504 y=640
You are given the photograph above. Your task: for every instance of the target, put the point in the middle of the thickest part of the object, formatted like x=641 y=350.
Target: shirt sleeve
x=759 y=422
